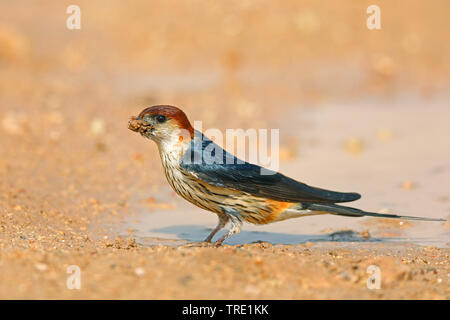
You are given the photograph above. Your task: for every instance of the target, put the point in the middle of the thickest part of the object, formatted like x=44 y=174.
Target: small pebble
x=97 y=126
x=408 y=185
x=384 y=134
x=354 y=145
x=139 y=272
x=41 y=267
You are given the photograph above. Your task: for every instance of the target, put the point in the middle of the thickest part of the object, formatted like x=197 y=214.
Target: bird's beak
x=136 y=124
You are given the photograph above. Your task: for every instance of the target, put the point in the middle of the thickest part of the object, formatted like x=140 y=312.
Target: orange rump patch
x=276 y=208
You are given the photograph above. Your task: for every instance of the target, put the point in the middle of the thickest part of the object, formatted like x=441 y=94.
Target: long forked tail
x=353 y=212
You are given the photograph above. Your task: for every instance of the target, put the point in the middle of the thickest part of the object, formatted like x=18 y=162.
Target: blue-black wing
x=202 y=160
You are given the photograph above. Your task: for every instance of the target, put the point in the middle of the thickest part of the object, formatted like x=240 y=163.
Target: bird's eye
x=161 y=119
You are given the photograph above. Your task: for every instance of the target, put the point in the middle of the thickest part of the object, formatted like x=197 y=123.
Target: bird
x=234 y=189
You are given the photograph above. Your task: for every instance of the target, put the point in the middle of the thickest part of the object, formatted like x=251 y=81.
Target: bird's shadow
x=196 y=233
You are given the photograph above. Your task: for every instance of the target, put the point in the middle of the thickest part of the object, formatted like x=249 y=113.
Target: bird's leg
x=235 y=229
x=223 y=219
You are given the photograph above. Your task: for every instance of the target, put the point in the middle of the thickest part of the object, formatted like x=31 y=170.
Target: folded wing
x=247 y=177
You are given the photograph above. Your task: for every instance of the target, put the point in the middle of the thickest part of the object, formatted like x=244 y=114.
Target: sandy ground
x=357 y=111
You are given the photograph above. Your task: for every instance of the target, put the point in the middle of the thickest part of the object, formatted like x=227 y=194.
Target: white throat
x=171 y=149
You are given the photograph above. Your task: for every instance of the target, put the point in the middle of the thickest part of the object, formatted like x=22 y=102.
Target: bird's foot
x=223 y=219
x=218 y=243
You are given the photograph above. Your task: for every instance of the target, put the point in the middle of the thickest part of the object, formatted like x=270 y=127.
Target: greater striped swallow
x=235 y=190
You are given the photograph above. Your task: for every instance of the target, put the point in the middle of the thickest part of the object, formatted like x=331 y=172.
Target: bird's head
x=166 y=125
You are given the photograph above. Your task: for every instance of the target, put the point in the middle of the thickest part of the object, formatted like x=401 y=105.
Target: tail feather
x=353 y=212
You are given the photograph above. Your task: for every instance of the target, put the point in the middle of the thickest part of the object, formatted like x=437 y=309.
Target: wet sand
x=357 y=111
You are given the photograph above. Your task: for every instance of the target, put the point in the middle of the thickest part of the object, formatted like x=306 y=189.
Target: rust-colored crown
x=170 y=112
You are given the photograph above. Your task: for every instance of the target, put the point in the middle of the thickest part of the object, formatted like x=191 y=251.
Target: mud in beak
x=137 y=125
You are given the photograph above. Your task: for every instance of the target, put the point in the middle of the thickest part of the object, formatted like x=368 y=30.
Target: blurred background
x=338 y=92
